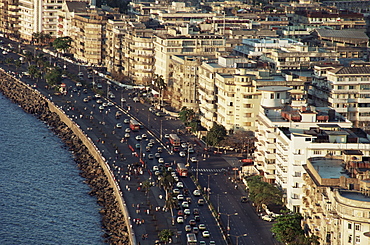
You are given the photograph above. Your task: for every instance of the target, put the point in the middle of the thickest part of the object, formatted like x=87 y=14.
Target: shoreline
x=91 y=164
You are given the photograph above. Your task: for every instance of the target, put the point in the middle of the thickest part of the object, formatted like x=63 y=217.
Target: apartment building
x=345 y=89
x=179 y=42
x=139 y=53
x=87 y=32
x=285 y=140
x=9 y=18
x=65 y=15
x=336 y=199
x=116 y=30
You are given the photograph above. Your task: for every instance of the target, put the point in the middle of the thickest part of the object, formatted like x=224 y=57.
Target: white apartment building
x=286 y=138
x=39 y=16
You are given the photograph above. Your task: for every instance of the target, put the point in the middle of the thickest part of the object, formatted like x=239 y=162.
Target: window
x=248 y=114
x=349 y=225
x=317 y=152
x=340 y=87
x=271 y=96
x=248 y=105
x=297 y=174
x=350 y=238
x=357 y=239
x=352 y=79
x=231 y=104
x=351 y=87
x=357 y=227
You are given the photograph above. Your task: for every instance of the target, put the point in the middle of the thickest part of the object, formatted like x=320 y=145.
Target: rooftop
x=328 y=168
x=355 y=196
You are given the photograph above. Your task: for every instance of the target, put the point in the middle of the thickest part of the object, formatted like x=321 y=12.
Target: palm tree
x=166 y=181
x=161 y=85
x=146 y=185
x=165 y=235
x=171 y=203
x=29 y=57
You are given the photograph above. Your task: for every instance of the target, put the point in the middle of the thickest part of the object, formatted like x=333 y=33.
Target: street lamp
x=228 y=220
x=237 y=237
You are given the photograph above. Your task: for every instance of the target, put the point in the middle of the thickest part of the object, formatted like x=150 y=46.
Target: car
x=137 y=146
x=243 y=199
x=78 y=84
x=80 y=74
x=176 y=191
x=150 y=145
x=212 y=243
x=157 y=155
x=196 y=193
x=127 y=121
x=136 y=99
x=127 y=130
x=205 y=234
x=5 y=53
x=167 y=136
x=179 y=185
x=185 y=204
x=99 y=86
x=267 y=218
x=180 y=197
x=197 y=218
x=138 y=137
x=187 y=211
x=157 y=173
x=101 y=107
x=192 y=222
x=196 y=211
x=184 y=145
x=99 y=101
x=191 y=150
x=147 y=149
x=193 y=159
x=176 y=178
x=105 y=104
x=159 y=149
x=150 y=156
x=119 y=125
x=85 y=100
x=152 y=141
x=110 y=104
x=180 y=220
x=195 y=230
x=180 y=213
x=127 y=135
x=123 y=100
x=144 y=136
x=89 y=76
x=187 y=228
x=182 y=154
x=112 y=96
x=188 y=199
x=97 y=96
x=201 y=202
x=160 y=160
x=202 y=227
x=202 y=243
x=155 y=168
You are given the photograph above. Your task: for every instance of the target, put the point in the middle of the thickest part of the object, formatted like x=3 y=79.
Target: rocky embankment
x=34 y=103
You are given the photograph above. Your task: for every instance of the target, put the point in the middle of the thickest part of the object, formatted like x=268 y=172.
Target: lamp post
x=161 y=130
x=237 y=237
x=228 y=220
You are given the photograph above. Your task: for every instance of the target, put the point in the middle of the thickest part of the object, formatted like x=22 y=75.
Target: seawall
x=92 y=165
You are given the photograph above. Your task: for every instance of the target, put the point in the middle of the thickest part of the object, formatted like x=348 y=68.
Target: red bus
x=182 y=170
x=175 y=142
x=134 y=125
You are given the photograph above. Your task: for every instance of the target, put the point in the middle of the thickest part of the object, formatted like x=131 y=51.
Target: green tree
x=215 y=135
x=62 y=43
x=159 y=83
x=288 y=230
x=53 y=76
x=165 y=235
x=9 y=61
x=34 y=72
x=261 y=192
x=28 y=57
x=146 y=186
x=186 y=115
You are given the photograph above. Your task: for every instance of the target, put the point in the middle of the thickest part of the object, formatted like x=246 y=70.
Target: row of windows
x=353 y=79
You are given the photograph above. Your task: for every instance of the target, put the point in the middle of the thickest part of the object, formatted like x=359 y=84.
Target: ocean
x=43 y=200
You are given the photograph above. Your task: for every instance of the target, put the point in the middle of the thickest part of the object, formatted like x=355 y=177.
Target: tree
x=146 y=186
x=288 y=230
x=62 y=43
x=215 y=135
x=159 y=83
x=165 y=235
x=186 y=115
x=53 y=76
x=261 y=192
x=9 y=61
x=29 y=57
x=34 y=72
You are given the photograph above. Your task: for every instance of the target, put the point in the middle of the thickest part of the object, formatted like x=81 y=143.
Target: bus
x=182 y=170
x=175 y=142
x=134 y=125
x=191 y=239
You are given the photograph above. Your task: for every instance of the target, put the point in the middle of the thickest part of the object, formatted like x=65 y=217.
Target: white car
x=179 y=184
x=161 y=160
x=205 y=234
x=196 y=193
x=167 y=136
x=138 y=137
x=180 y=197
x=182 y=154
x=180 y=219
x=193 y=159
x=184 y=145
x=185 y=204
x=187 y=211
x=155 y=168
x=176 y=191
x=119 y=125
x=144 y=136
x=127 y=130
x=127 y=135
x=202 y=227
